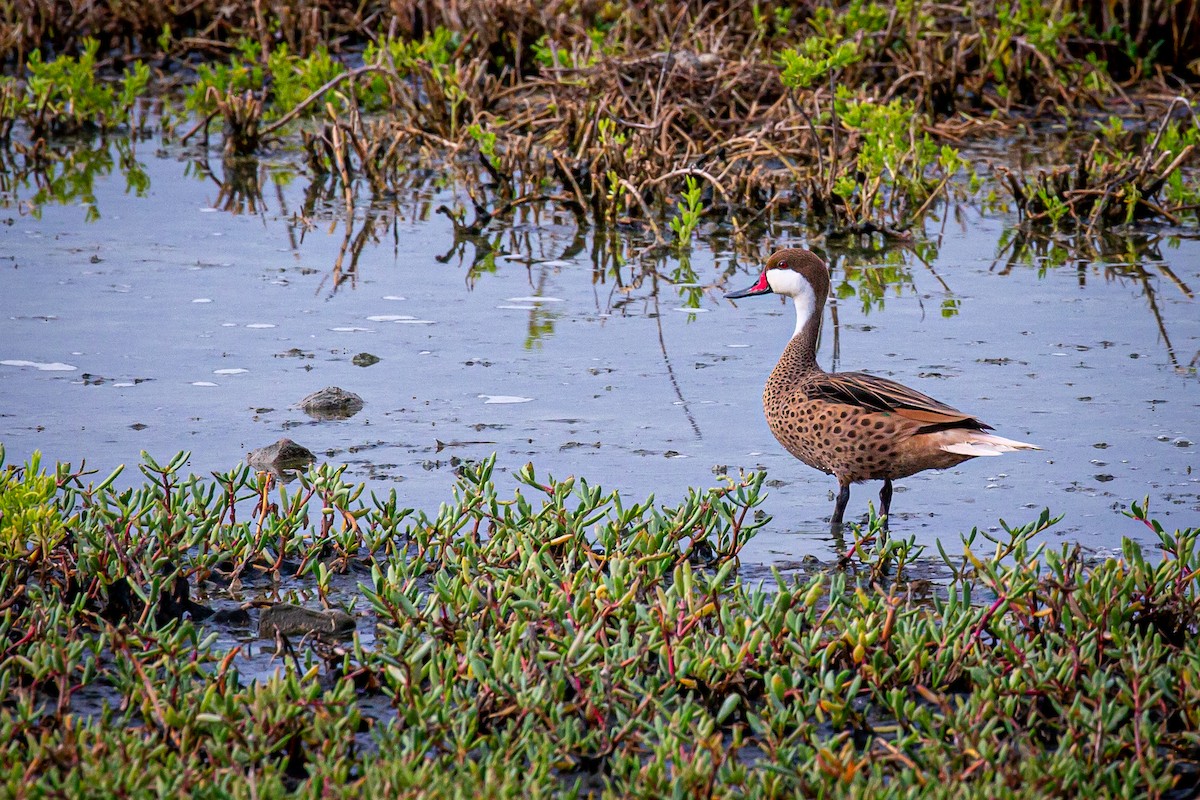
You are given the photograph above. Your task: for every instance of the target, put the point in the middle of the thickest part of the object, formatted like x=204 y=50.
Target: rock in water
x=282 y=459
x=284 y=619
x=332 y=403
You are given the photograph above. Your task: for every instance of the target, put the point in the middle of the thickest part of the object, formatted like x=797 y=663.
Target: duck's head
x=793 y=272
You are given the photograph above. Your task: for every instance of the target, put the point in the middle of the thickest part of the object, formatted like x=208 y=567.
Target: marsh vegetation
x=551 y=637
x=566 y=640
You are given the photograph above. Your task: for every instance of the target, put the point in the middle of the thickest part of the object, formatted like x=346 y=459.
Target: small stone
x=365 y=360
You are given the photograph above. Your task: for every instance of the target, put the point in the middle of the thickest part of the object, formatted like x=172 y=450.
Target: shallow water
x=169 y=323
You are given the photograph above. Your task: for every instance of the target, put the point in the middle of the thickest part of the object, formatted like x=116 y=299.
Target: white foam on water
x=53 y=366
x=230 y=371
x=489 y=399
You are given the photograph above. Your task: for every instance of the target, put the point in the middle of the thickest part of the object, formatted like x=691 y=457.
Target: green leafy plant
x=815 y=60
x=243 y=72
x=521 y=642
x=549 y=56
x=429 y=78
x=485 y=139
x=897 y=169
x=256 y=96
x=684 y=223
x=66 y=96
x=1115 y=181
x=294 y=78
x=31 y=524
x=857 y=16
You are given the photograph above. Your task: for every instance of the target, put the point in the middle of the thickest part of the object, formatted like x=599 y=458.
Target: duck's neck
x=800 y=356
x=803 y=346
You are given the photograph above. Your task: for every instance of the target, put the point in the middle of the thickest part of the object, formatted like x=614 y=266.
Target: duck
x=851 y=425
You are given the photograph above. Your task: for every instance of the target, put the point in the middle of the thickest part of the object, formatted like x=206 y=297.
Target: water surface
x=193 y=316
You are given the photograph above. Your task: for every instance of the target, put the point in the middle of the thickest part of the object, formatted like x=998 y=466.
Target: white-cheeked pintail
x=851 y=425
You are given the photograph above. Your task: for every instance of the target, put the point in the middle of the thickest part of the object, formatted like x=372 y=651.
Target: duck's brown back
x=850 y=440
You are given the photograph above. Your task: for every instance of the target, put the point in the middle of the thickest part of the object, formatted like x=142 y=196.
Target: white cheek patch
x=791 y=284
x=786 y=282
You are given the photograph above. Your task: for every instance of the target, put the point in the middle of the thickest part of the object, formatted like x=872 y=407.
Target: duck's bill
x=761 y=287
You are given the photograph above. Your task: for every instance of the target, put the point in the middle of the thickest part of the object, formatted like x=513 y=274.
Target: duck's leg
x=839 y=509
x=885 y=498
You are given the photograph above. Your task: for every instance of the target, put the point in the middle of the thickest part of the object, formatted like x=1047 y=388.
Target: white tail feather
x=974 y=443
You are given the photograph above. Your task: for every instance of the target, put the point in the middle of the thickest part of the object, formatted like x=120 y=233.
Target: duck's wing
x=873 y=393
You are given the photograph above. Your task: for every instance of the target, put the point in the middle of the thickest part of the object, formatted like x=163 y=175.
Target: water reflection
x=871 y=283
x=36 y=175
x=541 y=315
x=32 y=176
x=1130 y=258
x=620 y=385
x=239 y=183
x=684 y=277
